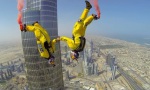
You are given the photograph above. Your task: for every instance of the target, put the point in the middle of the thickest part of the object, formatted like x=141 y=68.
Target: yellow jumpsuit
x=78 y=30
x=42 y=36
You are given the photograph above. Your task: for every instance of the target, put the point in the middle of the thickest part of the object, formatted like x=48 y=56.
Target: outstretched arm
x=30 y=28
x=73 y=44
x=88 y=20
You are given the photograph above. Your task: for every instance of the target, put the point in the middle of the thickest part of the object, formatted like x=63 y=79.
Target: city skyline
x=102 y=56
x=117 y=18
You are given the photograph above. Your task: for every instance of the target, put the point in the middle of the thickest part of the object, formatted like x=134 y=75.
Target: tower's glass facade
x=41 y=75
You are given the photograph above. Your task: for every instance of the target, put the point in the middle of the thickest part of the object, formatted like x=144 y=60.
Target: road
x=131 y=81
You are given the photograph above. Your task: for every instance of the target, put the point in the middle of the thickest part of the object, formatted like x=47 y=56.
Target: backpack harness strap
x=82 y=44
x=47 y=46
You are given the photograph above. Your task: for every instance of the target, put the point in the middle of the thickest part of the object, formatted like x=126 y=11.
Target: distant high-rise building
x=98 y=52
x=114 y=72
x=93 y=68
x=2 y=74
x=89 y=70
x=89 y=67
x=91 y=43
x=8 y=72
x=68 y=61
x=89 y=55
x=110 y=60
x=66 y=49
x=5 y=75
x=41 y=75
x=96 y=70
x=67 y=75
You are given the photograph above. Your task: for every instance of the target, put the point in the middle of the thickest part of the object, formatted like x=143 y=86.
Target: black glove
x=24 y=27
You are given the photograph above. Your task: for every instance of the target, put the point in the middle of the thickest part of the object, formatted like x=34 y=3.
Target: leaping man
x=77 y=43
x=46 y=47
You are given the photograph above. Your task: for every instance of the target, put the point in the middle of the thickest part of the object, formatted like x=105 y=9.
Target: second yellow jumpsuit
x=78 y=30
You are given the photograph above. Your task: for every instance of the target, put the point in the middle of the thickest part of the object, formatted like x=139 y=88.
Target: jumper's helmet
x=74 y=55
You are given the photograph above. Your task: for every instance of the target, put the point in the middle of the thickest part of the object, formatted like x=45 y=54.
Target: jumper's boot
x=95 y=16
x=88 y=5
x=53 y=63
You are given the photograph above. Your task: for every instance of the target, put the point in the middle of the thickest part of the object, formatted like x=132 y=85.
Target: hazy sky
x=118 y=17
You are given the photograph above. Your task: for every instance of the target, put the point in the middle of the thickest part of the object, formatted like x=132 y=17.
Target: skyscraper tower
x=110 y=60
x=41 y=75
x=91 y=43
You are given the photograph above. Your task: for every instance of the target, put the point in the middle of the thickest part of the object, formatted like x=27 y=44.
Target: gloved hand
x=23 y=27
x=95 y=17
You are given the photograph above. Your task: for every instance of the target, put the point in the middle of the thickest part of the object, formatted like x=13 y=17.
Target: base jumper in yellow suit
x=45 y=46
x=78 y=42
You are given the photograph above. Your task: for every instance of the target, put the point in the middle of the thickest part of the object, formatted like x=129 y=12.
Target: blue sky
x=118 y=17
